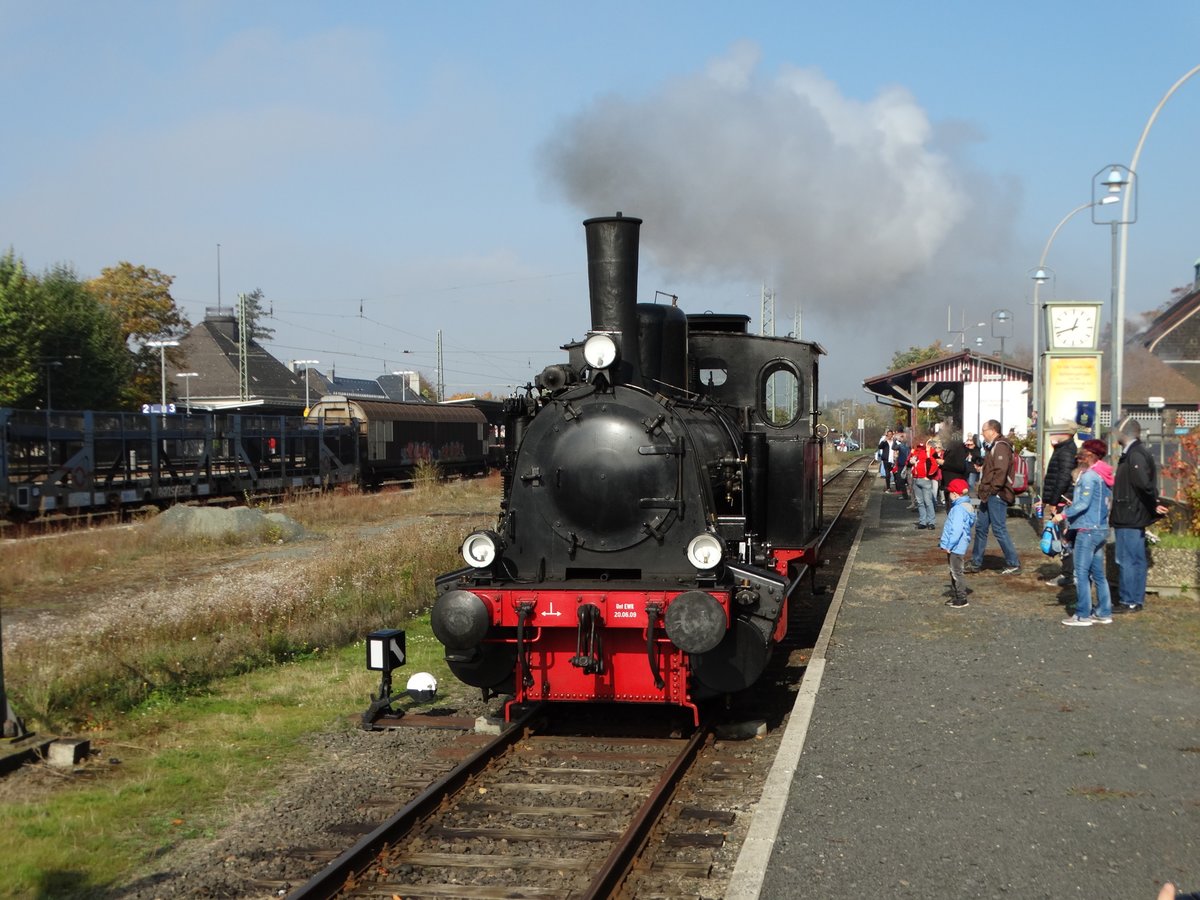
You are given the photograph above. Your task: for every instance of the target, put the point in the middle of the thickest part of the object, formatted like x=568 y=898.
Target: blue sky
x=383 y=171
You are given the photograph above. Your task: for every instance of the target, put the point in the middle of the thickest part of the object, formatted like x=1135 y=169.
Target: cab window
x=779 y=394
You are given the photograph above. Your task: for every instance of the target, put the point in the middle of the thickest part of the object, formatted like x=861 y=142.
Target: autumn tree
x=140 y=298
x=473 y=395
x=58 y=345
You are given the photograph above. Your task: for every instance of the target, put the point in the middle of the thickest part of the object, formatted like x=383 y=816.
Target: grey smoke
x=840 y=204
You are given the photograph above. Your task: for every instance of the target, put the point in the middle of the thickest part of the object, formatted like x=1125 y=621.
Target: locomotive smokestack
x=612 y=250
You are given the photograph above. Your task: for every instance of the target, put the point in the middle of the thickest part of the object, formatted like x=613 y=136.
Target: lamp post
x=162 y=346
x=1040 y=276
x=1118 y=312
x=53 y=364
x=306 y=363
x=1002 y=327
x=1117 y=183
x=961 y=330
x=188 y=376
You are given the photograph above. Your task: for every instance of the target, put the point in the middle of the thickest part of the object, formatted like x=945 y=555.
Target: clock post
x=1071 y=365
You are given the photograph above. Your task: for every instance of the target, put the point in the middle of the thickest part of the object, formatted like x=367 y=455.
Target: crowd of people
x=1083 y=497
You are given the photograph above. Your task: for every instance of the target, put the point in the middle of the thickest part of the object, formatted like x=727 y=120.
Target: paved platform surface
x=991 y=751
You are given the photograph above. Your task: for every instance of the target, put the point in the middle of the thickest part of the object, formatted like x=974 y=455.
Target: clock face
x=1073 y=327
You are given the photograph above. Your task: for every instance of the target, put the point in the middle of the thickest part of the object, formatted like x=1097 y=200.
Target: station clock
x=1072 y=325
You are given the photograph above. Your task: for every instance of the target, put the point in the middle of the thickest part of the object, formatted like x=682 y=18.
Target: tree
x=140 y=298
x=903 y=359
x=254 y=316
x=58 y=345
x=473 y=395
x=18 y=319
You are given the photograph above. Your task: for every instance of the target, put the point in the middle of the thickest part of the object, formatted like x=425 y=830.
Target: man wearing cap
x=1057 y=484
x=1134 y=506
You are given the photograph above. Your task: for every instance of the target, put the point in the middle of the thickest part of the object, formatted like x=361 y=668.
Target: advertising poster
x=1070 y=382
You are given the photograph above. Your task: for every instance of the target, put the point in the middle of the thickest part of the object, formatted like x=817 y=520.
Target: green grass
x=189 y=633
x=181 y=760
x=1171 y=541
x=205 y=692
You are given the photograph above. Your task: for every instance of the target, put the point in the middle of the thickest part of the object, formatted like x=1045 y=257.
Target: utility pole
x=243 y=351
x=441 y=374
x=766 y=315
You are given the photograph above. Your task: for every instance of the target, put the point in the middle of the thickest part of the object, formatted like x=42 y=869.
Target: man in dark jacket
x=1134 y=506
x=899 y=461
x=954 y=462
x=995 y=495
x=1057 y=484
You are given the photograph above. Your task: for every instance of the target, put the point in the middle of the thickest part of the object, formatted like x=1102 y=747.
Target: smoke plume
x=840 y=204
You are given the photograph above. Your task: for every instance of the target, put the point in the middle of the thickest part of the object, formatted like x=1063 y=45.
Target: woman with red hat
x=1087 y=516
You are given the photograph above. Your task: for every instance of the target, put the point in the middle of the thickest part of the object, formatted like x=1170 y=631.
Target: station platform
x=988 y=751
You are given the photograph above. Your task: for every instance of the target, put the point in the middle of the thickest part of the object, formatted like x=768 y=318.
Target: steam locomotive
x=661 y=505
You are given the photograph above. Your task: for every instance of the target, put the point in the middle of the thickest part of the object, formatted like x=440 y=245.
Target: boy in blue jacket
x=956 y=539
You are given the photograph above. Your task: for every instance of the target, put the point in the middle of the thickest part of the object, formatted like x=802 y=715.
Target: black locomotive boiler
x=661 y=502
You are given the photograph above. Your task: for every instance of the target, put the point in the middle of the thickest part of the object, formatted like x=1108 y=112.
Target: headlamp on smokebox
x=600 y=350
x=481 y=548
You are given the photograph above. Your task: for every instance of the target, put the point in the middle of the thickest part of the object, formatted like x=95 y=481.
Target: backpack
x=1018 y=474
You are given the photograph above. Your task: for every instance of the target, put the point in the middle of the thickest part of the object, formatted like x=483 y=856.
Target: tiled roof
x=210 y=350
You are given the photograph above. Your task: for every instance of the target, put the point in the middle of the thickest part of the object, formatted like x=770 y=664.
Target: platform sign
x=157 y=409
x=1085 y=417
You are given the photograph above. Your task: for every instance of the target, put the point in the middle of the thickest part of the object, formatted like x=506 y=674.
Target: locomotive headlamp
x=481 y=548
x=705 y=551
x=600 y=350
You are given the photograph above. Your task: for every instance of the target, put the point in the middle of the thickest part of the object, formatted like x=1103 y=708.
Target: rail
x=502 y=770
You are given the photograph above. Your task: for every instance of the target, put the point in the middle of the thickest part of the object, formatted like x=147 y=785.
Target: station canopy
x=941 y=379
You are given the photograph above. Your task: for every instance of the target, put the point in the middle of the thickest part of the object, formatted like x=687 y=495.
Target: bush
x=1184 y=470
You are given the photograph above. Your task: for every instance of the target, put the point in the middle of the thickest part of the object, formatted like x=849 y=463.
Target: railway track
x=540 y=812
x=534 y=813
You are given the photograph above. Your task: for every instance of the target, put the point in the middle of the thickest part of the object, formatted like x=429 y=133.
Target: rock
x=216 y=524
x=742 y=731
x=68 y=752
x=489 y=725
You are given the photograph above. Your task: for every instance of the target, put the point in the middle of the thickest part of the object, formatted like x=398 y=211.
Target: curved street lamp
x=1118 y=312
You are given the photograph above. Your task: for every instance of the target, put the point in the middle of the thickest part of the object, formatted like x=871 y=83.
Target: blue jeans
x=993 y=512
x=924 y=491
x=1089 y=570
x=1131 y=561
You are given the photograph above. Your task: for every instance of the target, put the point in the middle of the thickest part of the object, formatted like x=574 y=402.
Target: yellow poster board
x=1069 y=380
